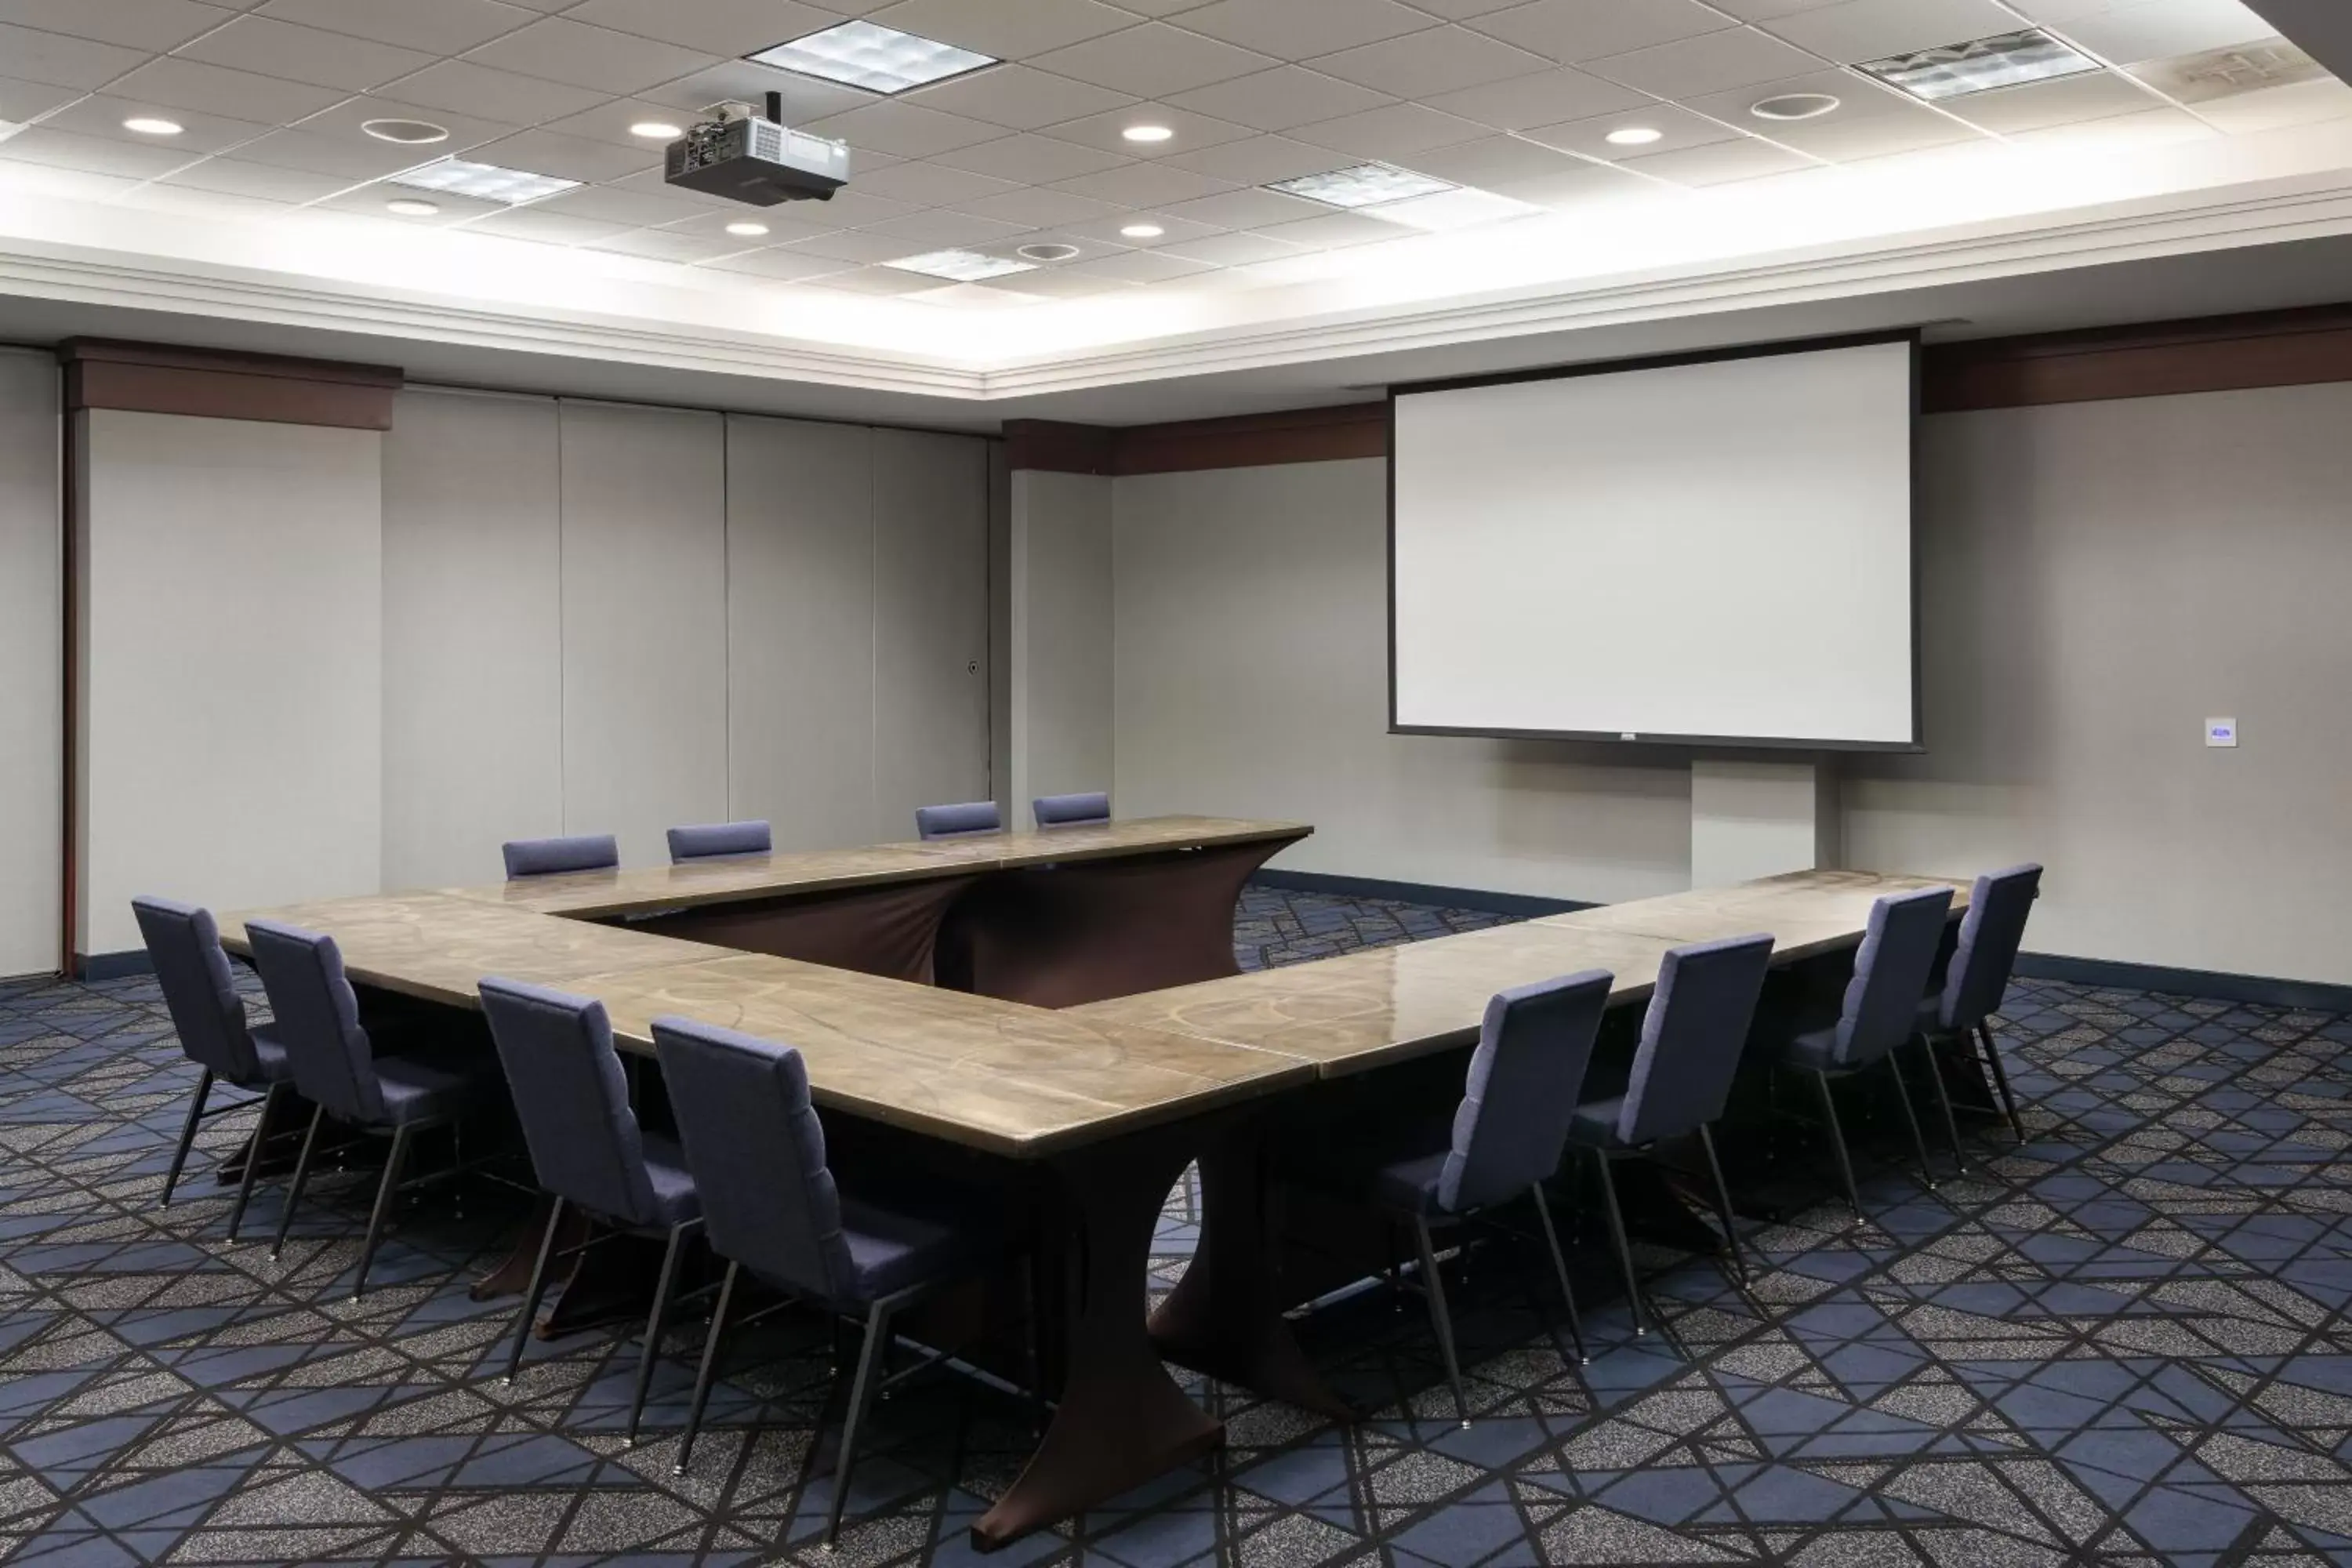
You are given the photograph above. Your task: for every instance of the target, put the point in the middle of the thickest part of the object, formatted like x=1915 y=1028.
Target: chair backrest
x=971 y=817
x=720 y=838
x=1071 y=810
x=572 y=1097
x=545 y=857
x=1692 y=1036
x=1520 y=1093
x=1890 y=973
x=757 y=1151
x=1991 y=933
x=198 y=988
x=318 y=1019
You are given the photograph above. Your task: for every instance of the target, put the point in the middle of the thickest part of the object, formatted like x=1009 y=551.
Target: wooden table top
x=736 y=878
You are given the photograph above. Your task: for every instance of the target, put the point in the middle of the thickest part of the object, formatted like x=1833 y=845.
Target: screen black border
x=1765 y=350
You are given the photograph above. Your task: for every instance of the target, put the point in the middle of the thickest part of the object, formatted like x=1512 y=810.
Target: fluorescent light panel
x=960 y=266
x=483 y=181
x=878 y=59
x=1366 y=186
x=1955 y=70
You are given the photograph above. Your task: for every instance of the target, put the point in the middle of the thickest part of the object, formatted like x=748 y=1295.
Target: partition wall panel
x=645 y=621
x=800 y=630
x=931 y=624
x=473 y=629
x=32 y=677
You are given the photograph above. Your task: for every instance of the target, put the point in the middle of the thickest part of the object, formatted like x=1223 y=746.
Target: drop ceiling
x=2199 y=127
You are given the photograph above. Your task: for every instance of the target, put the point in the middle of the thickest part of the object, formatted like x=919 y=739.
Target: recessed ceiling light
x=407 y=132
x=1980 y=66
x=1795 y=106
x=409 y=206
x=747 y=229
x=1147 y=133
x=1143 y=231
x=1365 y=185
x=1049 y=252
x=878 y=59
x=1635 y=136
x=960 y=266
x=152 y=125
x=484 y=182
x=657 y=131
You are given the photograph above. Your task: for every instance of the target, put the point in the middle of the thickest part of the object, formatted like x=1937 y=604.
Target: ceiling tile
x=21 y=101
x=215 y=89
x=1844 y=140
x=60 y=61
x=1031 y=160
x=1034 y=207
x=347 y=118
x=154 y=25
x=854 y=209
x=1333 y=230
x=1392 y=133
x=904 y=130
x=1712 y=62
x=2300 y=103
x=1008 y=29
x=604 y=204
x=1280 y=99
x=1677 y=128
x=92 y=154
x=440 y=27
x=1017 y=97
x=1858 y=99
x=610 y=121
x=928 y=185
x=1258 y=161
x=1143 y=185
x=1106 y=231
x=1192 y=130
x=1059 y=283
x=2162 y=30
x=1153 y=60
x=305 y=54
x=1295 y=29
x=102 y=116
x=1872 y=30
x=349 y=161
x=374 y=202
x=805 y=97
x=1497 y=163
x=1139 y=266
x=535 y=223
x=1721 y=163
x=2121 y=133
x=565 y=157
x=557 y=49
x=1572 y=31
x=920 y=232
x=786 y=224
x=238 y=177
x=1460 y=10
x=1769 y=10
x=851 y=246
x=464 y=87
x=879 y=281
x=1244 y=209
x=2036 y=105
x=1442 y=59
x=786 y=265
x=1546 y=98
x=1232 y=250
x=732 y=27
x=667 y=245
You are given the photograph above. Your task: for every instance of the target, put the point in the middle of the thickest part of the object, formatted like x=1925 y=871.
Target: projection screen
x=1696 y=549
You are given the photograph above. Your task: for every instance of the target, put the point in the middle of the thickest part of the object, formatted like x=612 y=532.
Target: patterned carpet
x=2121 y=1343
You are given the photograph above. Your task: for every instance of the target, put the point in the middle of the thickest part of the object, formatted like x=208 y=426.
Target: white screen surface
x=1716 y=550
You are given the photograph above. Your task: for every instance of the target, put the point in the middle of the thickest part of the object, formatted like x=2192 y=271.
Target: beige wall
x=32 y=681
x=1060 y=735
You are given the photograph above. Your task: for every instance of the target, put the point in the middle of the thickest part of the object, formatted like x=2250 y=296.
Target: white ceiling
x=273 y=182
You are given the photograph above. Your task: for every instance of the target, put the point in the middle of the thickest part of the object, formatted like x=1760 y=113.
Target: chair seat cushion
x=1816 y=1050
x=429 y=1088
x=269 y=1053
x=674 y=1196
x=1595 y=1124
x=893 y=1246
x=1410 y=1185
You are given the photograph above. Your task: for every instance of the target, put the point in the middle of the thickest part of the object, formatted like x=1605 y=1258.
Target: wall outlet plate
x=2221 y=731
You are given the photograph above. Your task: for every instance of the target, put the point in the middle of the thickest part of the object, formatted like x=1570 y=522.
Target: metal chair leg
x=717 y=1332
x=1910 y=1119
x=1439 y=1317
x=1617 y=1239
x=1559 y=1267
x=1837 y=1144
x=2001 y=1079
x=1723 y=1204
x=384 y=1190
x=270 y=1101
x=1944 y=1103
x=187 y=1136
x=663 y=1288
x=294 y=1187
x=861 y=1396
x=536 y=1291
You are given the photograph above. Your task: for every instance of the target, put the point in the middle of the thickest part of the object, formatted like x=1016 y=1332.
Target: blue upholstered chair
x=1991 y=932
x=968 y=820
x=719 y=839
x=198 y=989
x=1691 y=1039
x=1071 y=810
x=1506 y=1140
x=772 y=1206
x=545 y=857
x=339 y=1070
x=1880 y=1013
x=587 y=1148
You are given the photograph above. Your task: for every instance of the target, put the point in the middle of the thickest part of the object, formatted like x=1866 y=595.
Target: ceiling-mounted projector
x=745 y=158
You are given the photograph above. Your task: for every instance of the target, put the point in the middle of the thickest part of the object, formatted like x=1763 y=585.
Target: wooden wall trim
x=1050 y=446
x=2216 y=353
x=1244 y=441
x=150 y=378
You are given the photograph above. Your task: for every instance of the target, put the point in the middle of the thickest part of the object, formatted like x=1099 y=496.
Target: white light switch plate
x=2221 y=731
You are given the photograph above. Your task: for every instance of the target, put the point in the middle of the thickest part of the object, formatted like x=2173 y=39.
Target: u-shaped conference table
x=1089 y=1027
